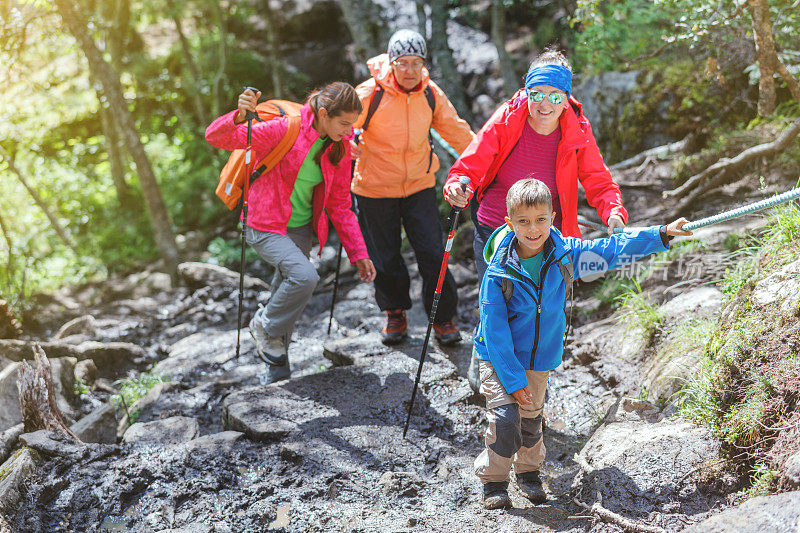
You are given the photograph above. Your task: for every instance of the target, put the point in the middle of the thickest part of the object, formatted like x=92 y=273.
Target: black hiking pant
x=380 y=220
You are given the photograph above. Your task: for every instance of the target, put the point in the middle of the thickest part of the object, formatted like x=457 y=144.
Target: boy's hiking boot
x=495 y=495
x=396 y=326
x=530 y=485
x=272 y=350
x=446 y=333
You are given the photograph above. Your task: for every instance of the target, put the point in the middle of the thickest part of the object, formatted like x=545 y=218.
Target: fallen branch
x=37 y=400
x=652 y=153
x=717 y=174
x=597 y=509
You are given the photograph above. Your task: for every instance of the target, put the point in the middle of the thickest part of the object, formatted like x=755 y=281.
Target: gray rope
x=715 y=219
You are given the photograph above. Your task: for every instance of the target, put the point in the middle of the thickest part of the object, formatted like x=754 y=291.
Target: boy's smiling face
x=531 y=224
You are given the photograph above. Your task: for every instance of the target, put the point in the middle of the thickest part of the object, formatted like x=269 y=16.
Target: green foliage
x=765 y=482
x=131 y=389
x=228 y=253
x=639 y=311
x=80 y=388
x=737 y=277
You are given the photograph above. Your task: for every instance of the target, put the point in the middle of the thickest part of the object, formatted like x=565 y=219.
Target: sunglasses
x=555 y=98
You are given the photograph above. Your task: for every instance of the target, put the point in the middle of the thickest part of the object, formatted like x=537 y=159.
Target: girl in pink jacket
x=294 y=200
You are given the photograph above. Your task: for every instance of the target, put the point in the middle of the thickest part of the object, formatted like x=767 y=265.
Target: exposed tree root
x=720 y=172
x=37 y=398
x=651 y=154
x=597 y=510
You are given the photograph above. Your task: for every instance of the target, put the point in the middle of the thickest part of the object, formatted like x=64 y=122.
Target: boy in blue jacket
x=520 y=337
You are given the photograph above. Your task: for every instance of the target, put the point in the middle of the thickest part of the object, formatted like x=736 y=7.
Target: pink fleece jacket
x=269 y=208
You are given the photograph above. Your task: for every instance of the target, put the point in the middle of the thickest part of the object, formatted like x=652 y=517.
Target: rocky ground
x=212 y=449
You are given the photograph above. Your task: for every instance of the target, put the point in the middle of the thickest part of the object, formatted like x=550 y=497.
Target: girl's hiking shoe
x=495 y=495
x=271 y=350
x=530 y=485
x=396 y=326
x=446 y=333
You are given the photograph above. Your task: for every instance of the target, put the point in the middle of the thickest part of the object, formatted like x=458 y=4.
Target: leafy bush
x=131 y=389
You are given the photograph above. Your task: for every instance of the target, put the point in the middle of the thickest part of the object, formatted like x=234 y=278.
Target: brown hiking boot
x=495 y=495
x=396 y=326
x=446 y=333
x=530 y=485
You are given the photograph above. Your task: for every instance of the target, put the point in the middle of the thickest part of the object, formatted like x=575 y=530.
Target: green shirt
x=308 y=177
x=533 y=265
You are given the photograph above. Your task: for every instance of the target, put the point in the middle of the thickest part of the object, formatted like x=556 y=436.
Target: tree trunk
x=765 y=52
x=222 y=50
x=275 y=65
x=510 y=80
x=367 y=27
x=196 y=79
x=422 y=18
x=449 y=79
x=10 y=245
x=115 y=158
x=65 y=238
x=37 y=400
x=162 y=228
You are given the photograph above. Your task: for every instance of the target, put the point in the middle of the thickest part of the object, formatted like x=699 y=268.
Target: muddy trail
x=212 y=449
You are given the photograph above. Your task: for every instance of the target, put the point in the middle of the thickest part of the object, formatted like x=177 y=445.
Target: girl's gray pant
x=295 y=277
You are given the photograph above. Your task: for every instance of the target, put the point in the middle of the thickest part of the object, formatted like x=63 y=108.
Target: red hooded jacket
x=578 y=159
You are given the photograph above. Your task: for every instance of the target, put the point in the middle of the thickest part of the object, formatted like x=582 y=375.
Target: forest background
x=103 y=165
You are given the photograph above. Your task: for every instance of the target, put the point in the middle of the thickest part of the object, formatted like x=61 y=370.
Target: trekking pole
x=339 y=253
x=778 y=199
x=453 y=218
x=249 y=163
x=335 y=285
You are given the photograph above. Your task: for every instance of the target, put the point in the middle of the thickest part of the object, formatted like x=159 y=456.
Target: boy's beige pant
x=514 y=435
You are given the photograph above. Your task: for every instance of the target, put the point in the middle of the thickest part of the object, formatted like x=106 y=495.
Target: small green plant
x=611 y=288
x=225 y=253
x=79 y=387
x=765 y=482
x=131 y=389
x=638 y=310
x=737 y=277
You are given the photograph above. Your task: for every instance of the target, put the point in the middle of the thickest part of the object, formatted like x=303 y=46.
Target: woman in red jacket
x=540 y=133
x=290 y=202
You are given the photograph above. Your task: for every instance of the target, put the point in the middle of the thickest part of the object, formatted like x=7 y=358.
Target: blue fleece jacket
x=527 y=333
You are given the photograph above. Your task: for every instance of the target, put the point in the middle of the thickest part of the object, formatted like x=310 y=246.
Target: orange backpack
x=234 y=173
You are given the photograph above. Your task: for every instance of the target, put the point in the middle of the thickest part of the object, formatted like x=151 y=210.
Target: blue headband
x=552 y=75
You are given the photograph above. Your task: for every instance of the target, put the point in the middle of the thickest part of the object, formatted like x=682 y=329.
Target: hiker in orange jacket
x=394 y=180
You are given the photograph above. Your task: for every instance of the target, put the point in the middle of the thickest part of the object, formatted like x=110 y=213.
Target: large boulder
x=198 y=275
x=172 y=430
x=98 y=426
x=195 y=354
x=778 y=513
x=10 y=412
x=51 y=443
x=638 y=461
x=8 y=441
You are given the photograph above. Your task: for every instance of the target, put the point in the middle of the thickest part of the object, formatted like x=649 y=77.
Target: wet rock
x=216 y=444
x=51 y=443
x=632 y=410
x=292 y=452
x=10 y=412
x=204 y=350
x=198 y=275
x=13 y=474
x=83 y=325
x=63 y=371
x=781 y=288
x=173 y=430
x=762 y=514
x=791 y=471
x=195 y=527
x=260 y=412
x=406 y=484
x=86 y=371
x=463 y=275
x=154 y=283
x=8 y=441
x=98 y=426
x=343 y=352
x=638 y=466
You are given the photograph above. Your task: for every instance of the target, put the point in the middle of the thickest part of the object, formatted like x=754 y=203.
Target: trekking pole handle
x=464 y=181
x=250 y=115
